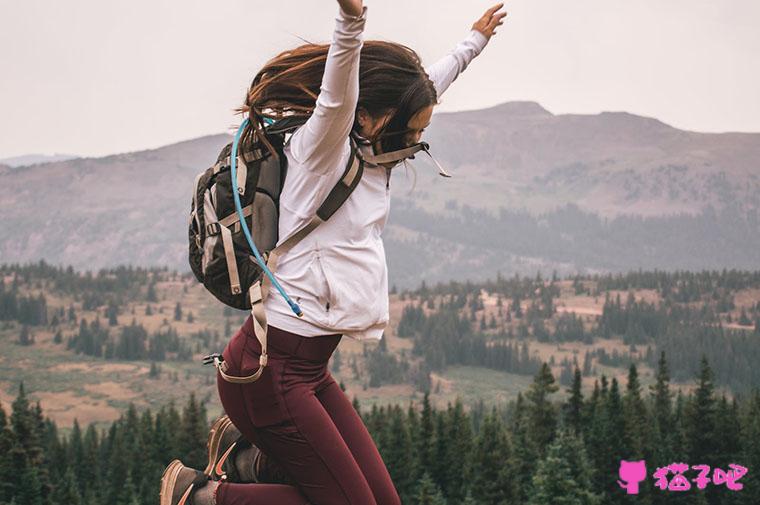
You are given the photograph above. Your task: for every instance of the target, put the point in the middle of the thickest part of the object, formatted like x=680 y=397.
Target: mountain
x=32 y=159
x=531 y=191
x=520 y=155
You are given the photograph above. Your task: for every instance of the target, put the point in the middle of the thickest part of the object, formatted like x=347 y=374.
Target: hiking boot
x=233 y=458
x=222 y=441
x=181 y=485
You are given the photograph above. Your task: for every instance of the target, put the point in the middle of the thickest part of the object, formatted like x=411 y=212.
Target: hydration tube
x=233 y=173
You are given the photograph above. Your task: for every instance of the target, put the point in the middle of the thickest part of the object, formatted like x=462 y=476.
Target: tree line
x=536 y=450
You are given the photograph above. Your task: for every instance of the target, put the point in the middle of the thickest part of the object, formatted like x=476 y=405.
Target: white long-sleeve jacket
x=338 y=273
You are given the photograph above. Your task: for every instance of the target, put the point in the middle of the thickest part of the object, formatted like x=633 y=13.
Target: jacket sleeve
x=445 y=71
x=320 y=143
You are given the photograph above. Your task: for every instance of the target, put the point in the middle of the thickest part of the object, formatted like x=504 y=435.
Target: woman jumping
x=377 y=96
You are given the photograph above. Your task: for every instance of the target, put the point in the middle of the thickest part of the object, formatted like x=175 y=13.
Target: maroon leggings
x=297 y=415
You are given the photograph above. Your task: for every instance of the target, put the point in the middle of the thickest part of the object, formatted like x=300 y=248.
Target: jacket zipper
x=327 y=284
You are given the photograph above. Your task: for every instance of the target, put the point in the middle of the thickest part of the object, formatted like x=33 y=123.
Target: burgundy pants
x=297 y=415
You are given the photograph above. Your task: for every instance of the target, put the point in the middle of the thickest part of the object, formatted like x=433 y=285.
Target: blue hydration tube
x=233 y=173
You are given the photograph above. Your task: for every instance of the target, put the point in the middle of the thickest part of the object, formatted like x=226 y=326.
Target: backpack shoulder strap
x=337 y=197
x=259 y=290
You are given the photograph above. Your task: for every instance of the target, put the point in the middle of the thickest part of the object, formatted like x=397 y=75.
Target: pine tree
x=424 y=447
x=574 y=406
x=596 y=433
x=614 y=424
x=151 y=296
x=118 y=463
x=750 y=458
x=398 y=453
x=91 y=471
x=75 y=454
x=438 y=469
x=563 y=477
x=662 y=400
x=663 y=423
x=523 y=459
x=701 y=431
x=541 y=413
x=7 y=471
x=28 y=488
x=587 y=364
x=25 y=428
x=469 y=500
x=128 y=495
x=636 y=418
x=428 y=493
x=67 y=491
x=192 y=435
x=729 y=446
x=460 y=447
x=112 y=312
x=493 y=481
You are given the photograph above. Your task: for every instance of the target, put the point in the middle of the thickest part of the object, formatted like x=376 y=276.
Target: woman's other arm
x=319 y=143
x=447 y=69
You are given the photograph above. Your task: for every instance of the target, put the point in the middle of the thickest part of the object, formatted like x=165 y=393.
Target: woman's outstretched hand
x=489 y=21
x=351 y=7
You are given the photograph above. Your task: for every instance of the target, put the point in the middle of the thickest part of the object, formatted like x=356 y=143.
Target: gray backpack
x=220 y=257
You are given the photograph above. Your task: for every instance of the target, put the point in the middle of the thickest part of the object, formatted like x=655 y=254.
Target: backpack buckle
x=213 y=229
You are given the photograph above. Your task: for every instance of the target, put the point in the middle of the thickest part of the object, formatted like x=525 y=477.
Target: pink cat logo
x=632 y=473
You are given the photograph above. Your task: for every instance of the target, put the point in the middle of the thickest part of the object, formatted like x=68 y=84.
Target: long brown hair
x=391 y=78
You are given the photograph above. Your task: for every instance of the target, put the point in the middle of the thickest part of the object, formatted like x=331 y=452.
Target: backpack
x=219 y=251
x=219 y=254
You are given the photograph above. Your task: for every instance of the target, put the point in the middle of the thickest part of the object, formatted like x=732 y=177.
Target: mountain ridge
x=132 y=207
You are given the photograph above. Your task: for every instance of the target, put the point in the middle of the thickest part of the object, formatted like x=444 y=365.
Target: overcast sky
x=94 y=77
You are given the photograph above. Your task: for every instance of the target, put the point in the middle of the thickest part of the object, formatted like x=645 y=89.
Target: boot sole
x=169 y=482
x=215 y=460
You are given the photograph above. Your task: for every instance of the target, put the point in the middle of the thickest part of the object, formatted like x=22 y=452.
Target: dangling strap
x=229 y=253
x=393 y=156
x=259 y=291
x=441 y=171
x=403 y=154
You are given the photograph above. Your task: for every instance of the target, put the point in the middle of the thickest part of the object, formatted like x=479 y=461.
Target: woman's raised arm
x=319 y=143
x=445 y=71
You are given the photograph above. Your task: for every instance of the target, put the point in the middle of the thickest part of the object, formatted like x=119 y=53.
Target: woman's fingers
x=493 y=9
x=490 y=20
x=497 y=20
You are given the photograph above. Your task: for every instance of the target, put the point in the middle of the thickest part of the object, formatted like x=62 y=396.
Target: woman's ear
x=362 y=117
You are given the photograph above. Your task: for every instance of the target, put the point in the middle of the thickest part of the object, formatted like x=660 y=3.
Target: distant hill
x=531 y=191
x=32 y=159
x=519 y=155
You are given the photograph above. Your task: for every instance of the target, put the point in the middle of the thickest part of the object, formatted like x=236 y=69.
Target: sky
x=92 y=78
